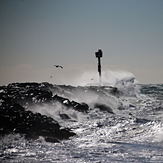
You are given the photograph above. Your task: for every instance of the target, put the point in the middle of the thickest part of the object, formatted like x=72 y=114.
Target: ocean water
x=128 y=129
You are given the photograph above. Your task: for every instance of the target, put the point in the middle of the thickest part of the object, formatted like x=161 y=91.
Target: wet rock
x=81 y=107
x=141 y=120
x=158 y=108
x=131 y=106
x=23 y=93
x=103 y=107
x=121 y=108
x=14 y=119
x=114 y=91
x=27 y=94
x=64 y=116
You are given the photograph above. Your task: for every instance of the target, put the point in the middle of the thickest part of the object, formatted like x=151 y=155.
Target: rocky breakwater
x=15 y=117
x=19 y=100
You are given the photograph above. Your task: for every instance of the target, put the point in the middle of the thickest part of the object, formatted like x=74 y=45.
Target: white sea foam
x=157 y=132
x=108 y=78
x=123 y=80
x=134 y=134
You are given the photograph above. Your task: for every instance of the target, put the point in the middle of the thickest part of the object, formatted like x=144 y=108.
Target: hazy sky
x=36 y=34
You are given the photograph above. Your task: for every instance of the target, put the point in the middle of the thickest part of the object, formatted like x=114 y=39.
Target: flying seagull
x=58 y=66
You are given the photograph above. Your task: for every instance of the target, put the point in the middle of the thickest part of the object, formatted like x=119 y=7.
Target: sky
x=37 y=34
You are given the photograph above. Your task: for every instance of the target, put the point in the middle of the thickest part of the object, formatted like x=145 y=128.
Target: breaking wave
x=119 y=120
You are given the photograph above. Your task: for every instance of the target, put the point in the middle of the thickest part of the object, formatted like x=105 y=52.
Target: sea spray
x=123 y=80
x=132 y=132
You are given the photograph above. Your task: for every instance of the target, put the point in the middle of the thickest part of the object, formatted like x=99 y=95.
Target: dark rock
x=103 y=107
x=52 y=140
x=14 y=119
x=27 y=94
x=81 y=107
x=132 y=106
x=121 y=108
x=158 y=108
x=64 y=116
x=141 y=120
x=114 y=91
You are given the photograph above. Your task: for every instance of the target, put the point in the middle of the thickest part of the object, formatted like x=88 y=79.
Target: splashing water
x=122 y=125
x=124 y=81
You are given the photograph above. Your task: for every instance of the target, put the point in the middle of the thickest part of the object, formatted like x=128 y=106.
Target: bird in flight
x=58 y=66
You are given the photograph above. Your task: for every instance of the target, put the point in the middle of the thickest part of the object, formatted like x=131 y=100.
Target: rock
x=81 y=107
x=141 y=120
x=114 y=91
x=23 y=93
x=158 y=108
x=14 y=119
x=27 y=94
x=64 y=116
x=103 y=107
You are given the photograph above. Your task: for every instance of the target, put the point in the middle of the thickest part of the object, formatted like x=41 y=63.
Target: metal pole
x=99 y=66
x=99 y=69
x=99 y=56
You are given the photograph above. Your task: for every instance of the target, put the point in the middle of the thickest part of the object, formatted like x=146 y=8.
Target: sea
x=124 y=123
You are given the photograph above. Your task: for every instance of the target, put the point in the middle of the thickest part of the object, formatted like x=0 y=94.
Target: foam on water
x=152 y=132
x=123 y=80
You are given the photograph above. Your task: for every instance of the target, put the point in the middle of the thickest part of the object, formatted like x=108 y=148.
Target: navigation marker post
x=99 y=55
